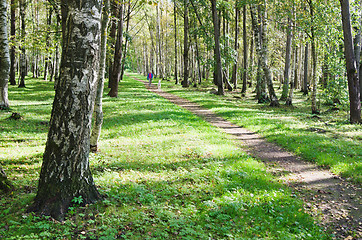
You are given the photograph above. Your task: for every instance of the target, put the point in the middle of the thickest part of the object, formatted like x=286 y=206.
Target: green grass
x=328 y=140
x=164 y=174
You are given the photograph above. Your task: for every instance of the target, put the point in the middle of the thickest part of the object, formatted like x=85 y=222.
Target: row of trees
x=187 y=39
x=295 y=44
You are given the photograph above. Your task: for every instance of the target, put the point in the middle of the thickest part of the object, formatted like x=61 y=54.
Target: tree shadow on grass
x=235 y=198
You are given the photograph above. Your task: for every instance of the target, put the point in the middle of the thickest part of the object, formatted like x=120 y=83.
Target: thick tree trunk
x=98 y=111
x=23 y=67
x=352 y=76
x=288 y=52
x=245 y=51
x=4 y=56
x=12 y=37
x=65 y=172
x=218 y=78
x=117 y=61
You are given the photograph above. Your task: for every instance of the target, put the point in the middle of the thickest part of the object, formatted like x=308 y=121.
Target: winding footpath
x=336 y=203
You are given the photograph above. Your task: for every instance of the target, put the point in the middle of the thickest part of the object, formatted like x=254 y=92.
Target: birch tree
x=98 y=111
x=4 y=56
x=65 y=172
x=23 y=66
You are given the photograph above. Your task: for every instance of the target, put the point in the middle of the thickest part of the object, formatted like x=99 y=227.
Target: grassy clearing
x=164 y=174
x=328 y=139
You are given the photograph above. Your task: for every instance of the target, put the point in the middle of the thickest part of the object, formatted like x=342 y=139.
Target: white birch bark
x=4 y=56
x=65 y=172
x=98 y=111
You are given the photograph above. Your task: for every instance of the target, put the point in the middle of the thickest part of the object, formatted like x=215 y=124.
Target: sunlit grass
x=328 y=139
x=164 y=174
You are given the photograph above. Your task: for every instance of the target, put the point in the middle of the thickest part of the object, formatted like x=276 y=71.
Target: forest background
x=261 y=48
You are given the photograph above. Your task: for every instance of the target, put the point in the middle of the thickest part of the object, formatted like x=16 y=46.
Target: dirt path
x=334 y=201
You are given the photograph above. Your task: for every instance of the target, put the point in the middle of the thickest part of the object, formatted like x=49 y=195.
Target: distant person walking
x=149 y=78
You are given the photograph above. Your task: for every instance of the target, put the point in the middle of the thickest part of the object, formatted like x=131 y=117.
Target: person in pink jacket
x=149 y=78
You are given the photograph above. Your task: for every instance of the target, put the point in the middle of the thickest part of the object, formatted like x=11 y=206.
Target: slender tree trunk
x=251 y=65
x=57 y=61
x=65 y=172
x=175 y=25
x=12 y=37
x=288 y=52
x=245 y=50
x=289 y=101
x=117 y=62
x=305 y=75
x=314 y=77
x=352 y=76
x=126 y=43
x=218 y=79
x=185 y=82
x=112 y=37
x=98 y=111
x=264 y=62
x=4 y=56
x=262 y=50
x=47 y=51
x=357 y=50
x=159 y=64
x=236 y=45
x=198 y=61
x=23 y=67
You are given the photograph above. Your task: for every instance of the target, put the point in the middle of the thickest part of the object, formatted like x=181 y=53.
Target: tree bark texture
x=236 y=46
x=160 y=63
x=264 y=59
x=98 y=111
x=218 y=78
x=47 y=51
x=352 y=76
x=175 y=26
x=314 y=78
x=126 y=42
x=289 y=100
x=65 y=172
x=245 y=51
x=288 y=53
x=112 y=39
x=186 y=82
x=305 y=76
x=4 y=56
x=23 y=67
x=117 y=61
x=262 y=50
x=12 y=37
